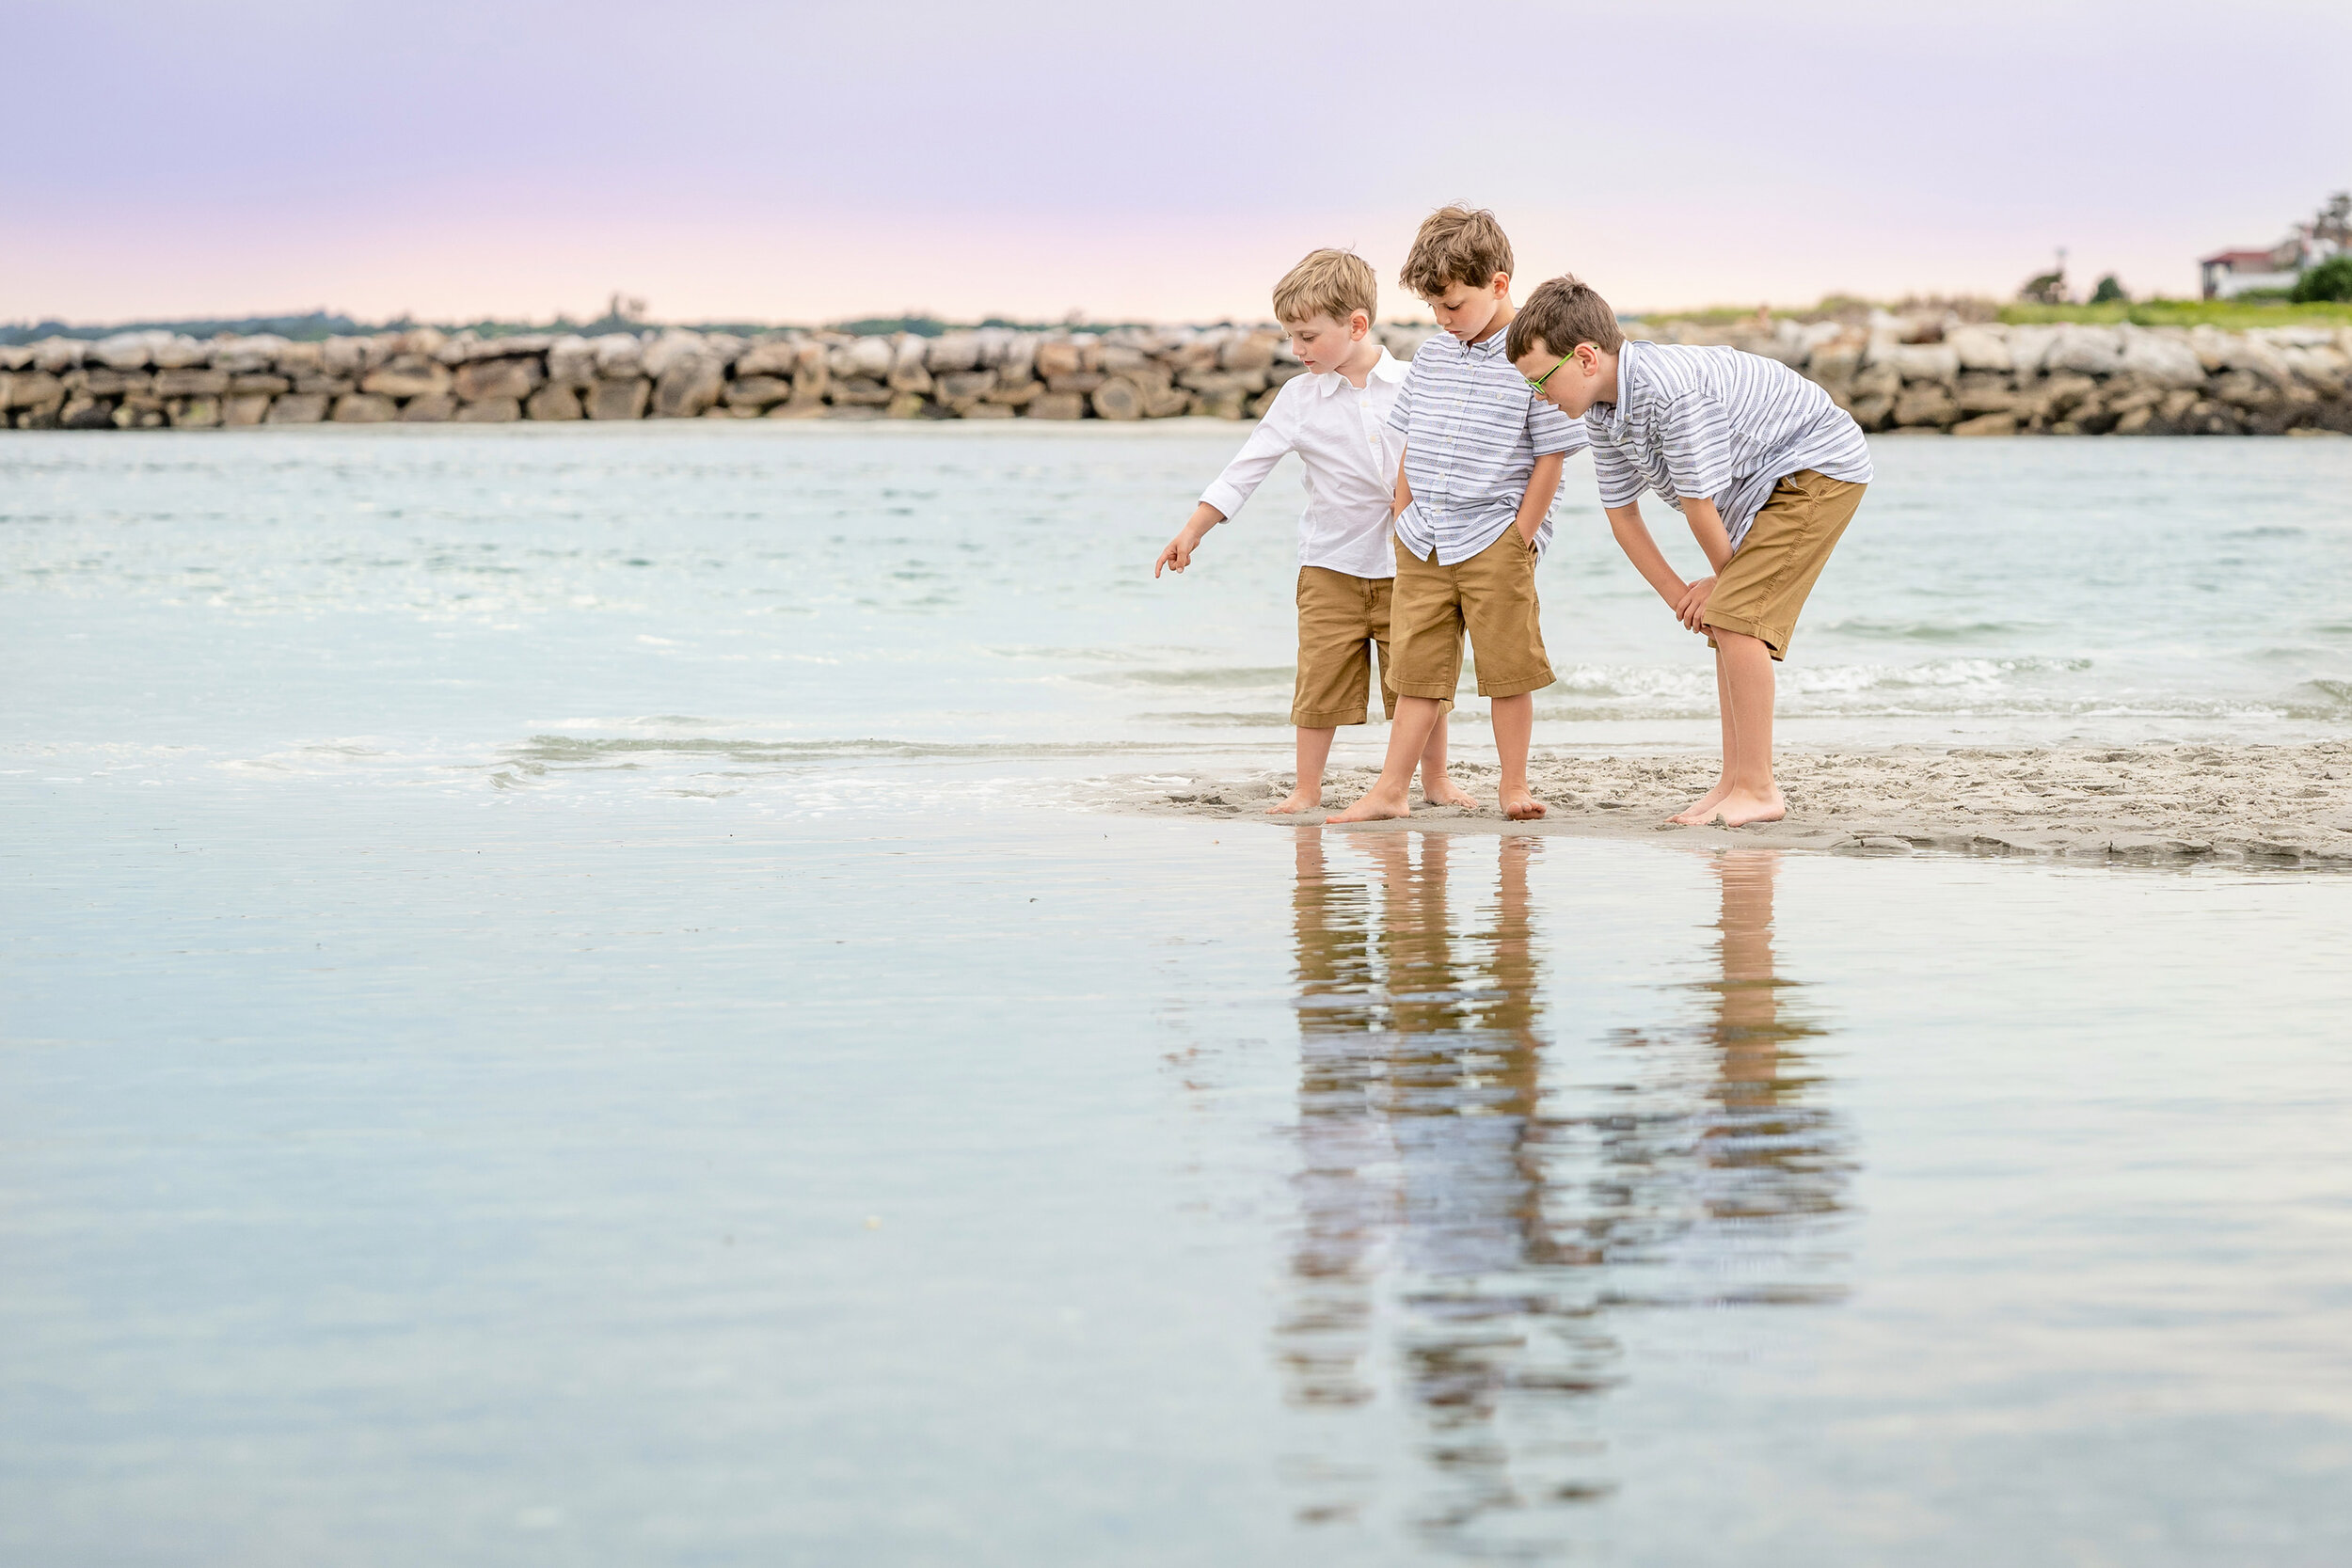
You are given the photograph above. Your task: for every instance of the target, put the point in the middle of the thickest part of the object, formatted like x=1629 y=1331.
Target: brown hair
x=1562 y=313
x=1333 y=283
x=1456 y=244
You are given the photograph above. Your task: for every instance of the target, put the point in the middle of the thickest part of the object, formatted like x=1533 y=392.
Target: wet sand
x=2280 y=804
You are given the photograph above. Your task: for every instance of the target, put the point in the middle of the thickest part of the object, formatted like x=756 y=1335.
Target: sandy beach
x=2278 y=805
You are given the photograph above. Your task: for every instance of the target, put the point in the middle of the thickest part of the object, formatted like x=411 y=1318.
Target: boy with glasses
x=1765 y=468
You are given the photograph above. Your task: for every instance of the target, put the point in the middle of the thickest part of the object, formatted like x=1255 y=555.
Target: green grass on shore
x=2233 y=314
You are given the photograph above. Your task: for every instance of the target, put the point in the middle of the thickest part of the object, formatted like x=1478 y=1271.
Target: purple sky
x=817 y=162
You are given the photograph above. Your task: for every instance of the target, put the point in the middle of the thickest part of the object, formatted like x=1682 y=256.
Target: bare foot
x=1520 y=806
x=1378 y=805
x=1740 y=808
x=1301 y=799
x=1702 y=811
x=1447 y=793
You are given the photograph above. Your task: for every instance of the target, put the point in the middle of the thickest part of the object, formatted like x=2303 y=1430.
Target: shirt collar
x=1627 y=359
x=1490 y=344
x=1387 y=368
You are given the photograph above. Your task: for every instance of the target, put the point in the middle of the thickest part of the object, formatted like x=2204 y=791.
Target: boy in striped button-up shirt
x=1765 y=468
x=1482 y=462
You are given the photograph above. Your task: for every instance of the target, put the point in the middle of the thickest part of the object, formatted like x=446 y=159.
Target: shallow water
x=503 y=1058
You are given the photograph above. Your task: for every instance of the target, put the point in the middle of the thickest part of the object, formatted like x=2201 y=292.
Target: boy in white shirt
x=1336 y=418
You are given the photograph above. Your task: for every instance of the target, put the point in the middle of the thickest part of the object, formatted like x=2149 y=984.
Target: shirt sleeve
x=1696 y=435
x=1552 y=431
x=1265 y=446
x=1619 y=480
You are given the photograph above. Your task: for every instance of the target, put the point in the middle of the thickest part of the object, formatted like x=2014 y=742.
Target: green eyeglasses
x=1538 y=385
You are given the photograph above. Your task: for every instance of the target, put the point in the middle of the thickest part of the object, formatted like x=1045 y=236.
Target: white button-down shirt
x=1341 y=433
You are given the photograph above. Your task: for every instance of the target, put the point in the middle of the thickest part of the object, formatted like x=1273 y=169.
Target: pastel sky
x=817 y=162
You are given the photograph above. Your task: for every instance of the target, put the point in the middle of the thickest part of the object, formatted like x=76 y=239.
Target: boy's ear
x=1358 y=325
x=1500 y=283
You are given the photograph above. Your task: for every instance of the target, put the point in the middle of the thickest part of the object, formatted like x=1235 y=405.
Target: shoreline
x=2174 y=804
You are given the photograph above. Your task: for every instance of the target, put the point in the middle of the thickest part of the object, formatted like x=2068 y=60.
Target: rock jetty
x=1913 y=374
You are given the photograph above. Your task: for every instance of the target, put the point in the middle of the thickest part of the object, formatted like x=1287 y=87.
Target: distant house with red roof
x=2227 y=274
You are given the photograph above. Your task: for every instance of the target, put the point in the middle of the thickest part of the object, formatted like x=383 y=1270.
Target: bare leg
x=1515 y=730
x=1748 y=672
x=1407 y=739
x=1702 y=811
x=1436 y=788
x=1315 y=750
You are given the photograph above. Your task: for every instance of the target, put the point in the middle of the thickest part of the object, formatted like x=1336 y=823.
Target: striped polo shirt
x=1717 y=422
x=1472 y=432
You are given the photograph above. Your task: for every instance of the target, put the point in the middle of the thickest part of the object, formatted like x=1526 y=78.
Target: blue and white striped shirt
x=1719 y=423
x=1472 y=432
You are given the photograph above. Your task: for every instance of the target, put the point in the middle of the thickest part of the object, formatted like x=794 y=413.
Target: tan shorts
x=1342 y=620
x=1765 y=584
x=1492 y=597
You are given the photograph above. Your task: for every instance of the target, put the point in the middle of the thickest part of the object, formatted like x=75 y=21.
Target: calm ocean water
x=553 y=1009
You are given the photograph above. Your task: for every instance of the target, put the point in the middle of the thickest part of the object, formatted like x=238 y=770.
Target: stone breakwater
x=1986 y=379
x=1913 y=375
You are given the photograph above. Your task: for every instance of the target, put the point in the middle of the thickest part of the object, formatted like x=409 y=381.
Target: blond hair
x=1560 y=314
x=1456 y=244
x=1333 y=283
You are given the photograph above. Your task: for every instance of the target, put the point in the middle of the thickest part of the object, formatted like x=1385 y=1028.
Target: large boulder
x=344 y=356
x=364 y=408
x=57 y=355
x=1927 y=402
x=299 y=408
x=619 y=355
x=482 y=380
x=437 y=409
x=621 y=398
x=31 y=390
x=2086 y=351
x=770 y=354
x=689 y=383
x=191 y=383
x=407 y=375
x=253 y=356
x=1058 y=357
x=128 y=350
x=572 y=362
x=175 y=351
x=757 y=391
x=301 y=359
x=862 y=358
x=245 y=408
x=1247 y=351
x=556 y=400
x=1936 y=362
x=907 y=374
x=668 y=349
x=1058 y=406
x=491 y=411
x=2161 y=361
x=2029 y=348
x=1117 y=398
x=952 y=352
x=1979 y=348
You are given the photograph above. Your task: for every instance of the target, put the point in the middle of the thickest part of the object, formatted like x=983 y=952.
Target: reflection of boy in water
x=1422 y=1137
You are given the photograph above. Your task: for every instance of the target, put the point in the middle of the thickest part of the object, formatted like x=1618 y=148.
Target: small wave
x=559 y=751
x=1928 y=631
x=2338 y=694
x=1229 y=677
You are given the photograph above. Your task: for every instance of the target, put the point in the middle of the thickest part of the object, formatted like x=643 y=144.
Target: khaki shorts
x=1492 y=597
x=1765 y=584
x=1341 y=621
